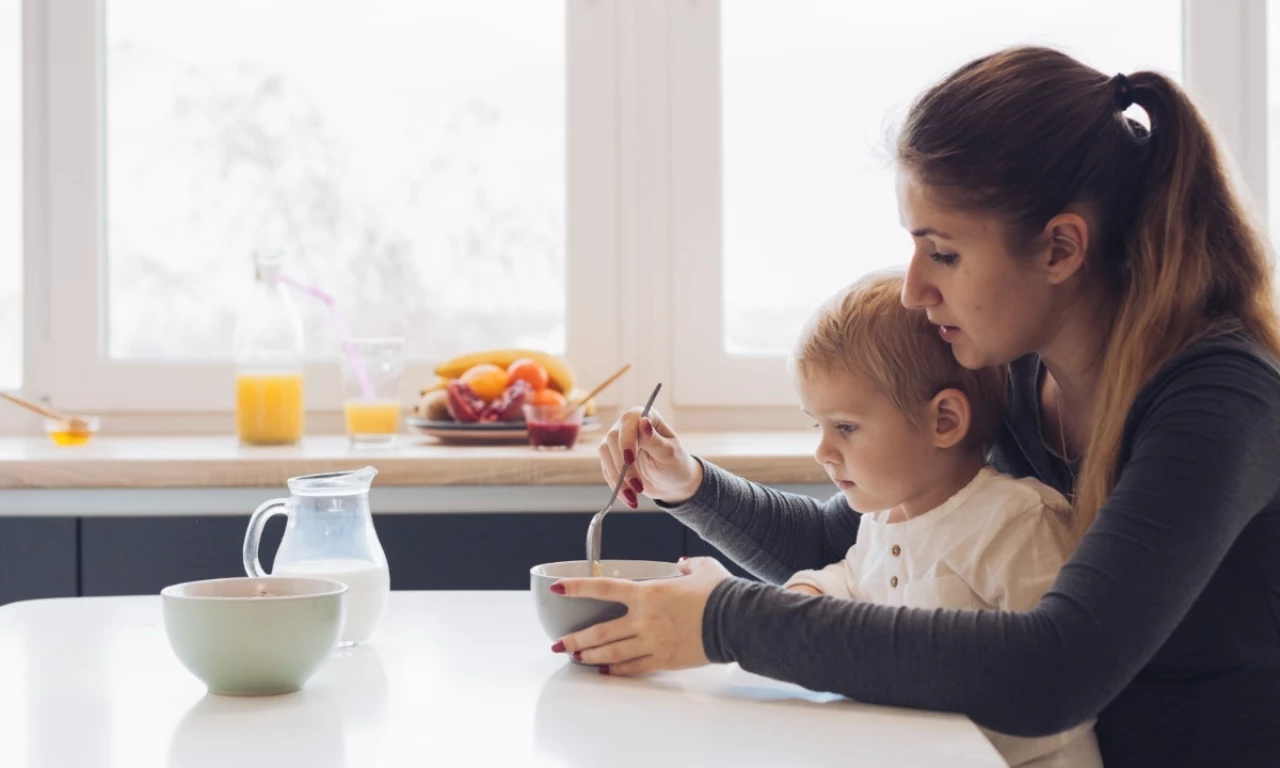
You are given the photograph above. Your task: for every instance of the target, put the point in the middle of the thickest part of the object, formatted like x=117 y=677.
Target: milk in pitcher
x=368 y=585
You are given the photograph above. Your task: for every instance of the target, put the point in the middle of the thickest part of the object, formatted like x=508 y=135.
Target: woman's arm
x=1205 y=460
x=768 y=532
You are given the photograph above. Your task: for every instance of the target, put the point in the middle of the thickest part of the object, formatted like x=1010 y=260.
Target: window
x=408 y=157
x=811 y=91
x=11 y=196
x=803 y=200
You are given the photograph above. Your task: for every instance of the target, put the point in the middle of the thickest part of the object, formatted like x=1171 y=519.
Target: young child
x=904 y=432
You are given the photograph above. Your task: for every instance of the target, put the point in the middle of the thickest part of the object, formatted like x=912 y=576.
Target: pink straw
x=344 y=336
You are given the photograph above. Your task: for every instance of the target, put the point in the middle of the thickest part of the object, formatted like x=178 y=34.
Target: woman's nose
x=917 y=291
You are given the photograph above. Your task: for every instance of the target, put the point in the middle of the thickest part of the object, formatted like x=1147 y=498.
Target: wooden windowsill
x=781 y=457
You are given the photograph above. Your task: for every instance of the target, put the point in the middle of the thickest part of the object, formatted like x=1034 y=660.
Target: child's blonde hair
x=865 y=331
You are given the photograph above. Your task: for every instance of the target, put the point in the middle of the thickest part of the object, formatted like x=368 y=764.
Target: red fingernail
x=648 y=428
x=628 y=456
x=639 y=486
x=604 y=670
x=557 y=588
x=577 y=655
x=558 y=647
x=630 y=498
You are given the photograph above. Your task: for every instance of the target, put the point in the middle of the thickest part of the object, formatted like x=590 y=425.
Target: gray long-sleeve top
x=1165 y=623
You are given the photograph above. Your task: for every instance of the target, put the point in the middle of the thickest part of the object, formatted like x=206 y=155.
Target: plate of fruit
x=480 y=397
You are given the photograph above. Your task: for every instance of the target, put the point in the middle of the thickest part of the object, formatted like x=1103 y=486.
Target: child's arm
x=833 y=580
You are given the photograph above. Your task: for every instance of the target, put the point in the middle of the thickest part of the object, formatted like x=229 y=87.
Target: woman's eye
x=847 y=429
x=815 y=425
x=944 y=258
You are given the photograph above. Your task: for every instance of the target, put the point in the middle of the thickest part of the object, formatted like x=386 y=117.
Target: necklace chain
x=1062 y=432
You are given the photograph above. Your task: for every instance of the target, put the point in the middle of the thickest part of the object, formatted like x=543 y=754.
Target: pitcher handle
x=252 y=536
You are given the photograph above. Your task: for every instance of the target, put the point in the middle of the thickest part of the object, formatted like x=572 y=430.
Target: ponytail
x=1192 y=256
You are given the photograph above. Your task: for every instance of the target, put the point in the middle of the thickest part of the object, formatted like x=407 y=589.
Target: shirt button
x=897 y=550
x=893 y=582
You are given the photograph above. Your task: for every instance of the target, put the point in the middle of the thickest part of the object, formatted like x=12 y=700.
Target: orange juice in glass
x=269 y=407
x=371 y=373
x=372 y=417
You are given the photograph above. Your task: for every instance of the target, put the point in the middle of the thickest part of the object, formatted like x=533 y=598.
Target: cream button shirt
x=997 y=544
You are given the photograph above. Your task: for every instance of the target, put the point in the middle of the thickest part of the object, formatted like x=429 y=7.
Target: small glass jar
x=550 y=427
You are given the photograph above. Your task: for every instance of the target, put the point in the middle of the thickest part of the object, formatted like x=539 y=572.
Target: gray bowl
x=250 y=636
x=560 y=615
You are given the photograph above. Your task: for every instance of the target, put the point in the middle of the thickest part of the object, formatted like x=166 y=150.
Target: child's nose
x=825 y=455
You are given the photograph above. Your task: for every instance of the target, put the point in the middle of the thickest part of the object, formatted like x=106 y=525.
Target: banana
x=559 y=372
x=433 y=406
x=439 y=384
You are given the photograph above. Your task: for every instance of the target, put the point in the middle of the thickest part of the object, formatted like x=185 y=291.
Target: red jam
x=553 y=434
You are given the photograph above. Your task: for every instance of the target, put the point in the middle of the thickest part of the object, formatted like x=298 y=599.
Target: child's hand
x=804 y=588
x=660 y=467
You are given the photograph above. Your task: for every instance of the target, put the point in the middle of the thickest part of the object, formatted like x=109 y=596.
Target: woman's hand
x=662 y=629
x=661 y=468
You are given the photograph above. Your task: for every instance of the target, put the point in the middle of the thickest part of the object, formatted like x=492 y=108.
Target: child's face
x=869 y=448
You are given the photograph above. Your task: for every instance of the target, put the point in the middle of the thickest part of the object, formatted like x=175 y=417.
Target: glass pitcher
x=329 y=535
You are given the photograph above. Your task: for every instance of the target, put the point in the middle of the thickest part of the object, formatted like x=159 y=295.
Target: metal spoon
x=595 y=530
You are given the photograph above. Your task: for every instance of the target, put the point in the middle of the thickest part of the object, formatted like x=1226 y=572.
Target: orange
x=486 y=380
x=529 y=371
x=547 y=397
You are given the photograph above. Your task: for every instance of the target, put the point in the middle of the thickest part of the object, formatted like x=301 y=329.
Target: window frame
x=643 y=214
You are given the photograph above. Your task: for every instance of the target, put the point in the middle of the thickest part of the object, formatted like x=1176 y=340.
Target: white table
x=451 y=678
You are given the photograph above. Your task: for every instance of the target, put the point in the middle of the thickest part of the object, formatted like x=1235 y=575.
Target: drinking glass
x=371 y=393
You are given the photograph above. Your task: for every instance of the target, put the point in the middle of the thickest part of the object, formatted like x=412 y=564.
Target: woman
x=1115 y=271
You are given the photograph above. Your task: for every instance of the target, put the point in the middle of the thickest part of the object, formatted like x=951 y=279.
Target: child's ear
x=949 y=418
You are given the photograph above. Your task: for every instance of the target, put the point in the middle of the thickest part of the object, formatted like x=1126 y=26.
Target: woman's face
x=990 y=304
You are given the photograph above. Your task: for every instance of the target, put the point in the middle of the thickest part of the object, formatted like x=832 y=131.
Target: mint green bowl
x=249 y=636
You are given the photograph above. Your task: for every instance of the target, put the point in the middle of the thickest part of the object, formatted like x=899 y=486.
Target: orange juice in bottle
x=269 y=407
x=269 y=352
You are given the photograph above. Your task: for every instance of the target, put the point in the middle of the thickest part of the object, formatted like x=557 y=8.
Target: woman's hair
x=865 y=331
x=1027 y=132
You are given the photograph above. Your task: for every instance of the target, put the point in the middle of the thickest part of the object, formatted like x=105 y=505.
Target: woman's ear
x=1067 y=236
x=949 y=418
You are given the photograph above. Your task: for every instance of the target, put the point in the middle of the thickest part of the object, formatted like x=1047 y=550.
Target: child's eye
x=944 y=258
x=847 y=429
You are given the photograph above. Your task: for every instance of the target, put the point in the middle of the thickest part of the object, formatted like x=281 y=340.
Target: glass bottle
x=268 y=351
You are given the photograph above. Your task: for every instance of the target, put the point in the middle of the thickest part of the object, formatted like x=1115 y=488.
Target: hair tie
x=1123 y=94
